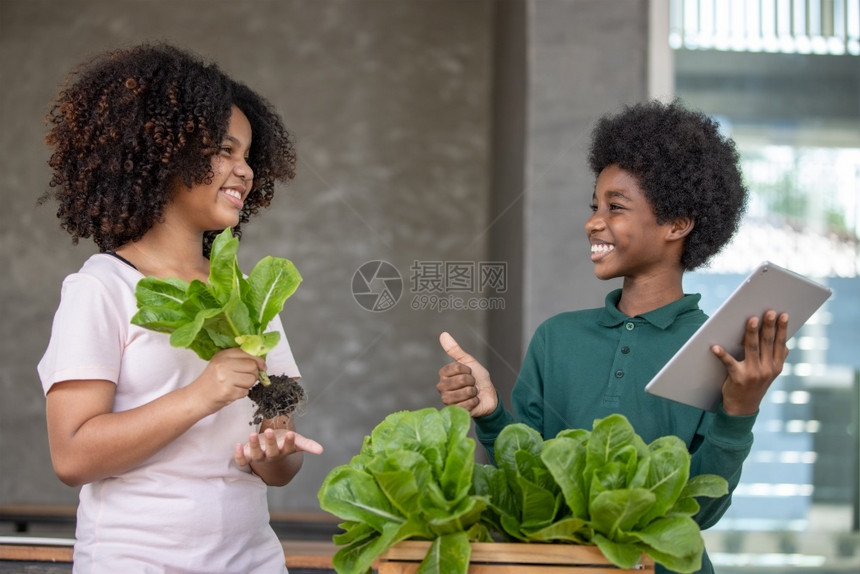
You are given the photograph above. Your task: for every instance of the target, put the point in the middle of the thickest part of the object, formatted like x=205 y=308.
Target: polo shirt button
x=629 y=326
x=625 y=350
x=619 y=374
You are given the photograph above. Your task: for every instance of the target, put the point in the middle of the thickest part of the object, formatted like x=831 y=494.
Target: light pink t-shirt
x=189 y=508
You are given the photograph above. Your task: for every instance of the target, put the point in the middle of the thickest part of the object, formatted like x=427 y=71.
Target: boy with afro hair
x=668 y=196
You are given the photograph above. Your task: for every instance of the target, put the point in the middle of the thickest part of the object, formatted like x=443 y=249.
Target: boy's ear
x=680 y=228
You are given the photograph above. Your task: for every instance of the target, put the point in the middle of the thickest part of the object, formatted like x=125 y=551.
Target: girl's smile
x=235 y=195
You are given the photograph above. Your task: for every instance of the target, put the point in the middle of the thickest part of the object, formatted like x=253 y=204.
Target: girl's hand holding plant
x=224 y=321
x=228 y=377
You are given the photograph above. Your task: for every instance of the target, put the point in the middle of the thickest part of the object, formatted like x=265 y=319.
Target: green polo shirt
x=584 y=365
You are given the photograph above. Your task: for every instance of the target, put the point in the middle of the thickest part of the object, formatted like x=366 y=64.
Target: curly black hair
x=685 y=166
x=132 y=123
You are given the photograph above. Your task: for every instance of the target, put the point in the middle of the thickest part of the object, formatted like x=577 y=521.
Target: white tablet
x=694 y=376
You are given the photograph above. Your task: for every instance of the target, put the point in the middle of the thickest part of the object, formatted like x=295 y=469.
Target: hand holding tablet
x=695 y=376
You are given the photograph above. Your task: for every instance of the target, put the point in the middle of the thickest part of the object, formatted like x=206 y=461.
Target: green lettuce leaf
x=570 y=529
x=358 y=556
x=448 y=554
x=459 y=519
x=565 y=459
x=161 y=293
x=271 y=282
x=512 y=439
x=609 y=438
x=617 y=511
x=356 y=496
x=623 y=555
x=707 y=485
x=223 y=266
x=228 y=311
x=674 y=541
x=669 y=470
x=538 y=506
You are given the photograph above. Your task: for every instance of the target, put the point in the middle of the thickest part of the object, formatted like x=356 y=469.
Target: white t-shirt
x=189 y=508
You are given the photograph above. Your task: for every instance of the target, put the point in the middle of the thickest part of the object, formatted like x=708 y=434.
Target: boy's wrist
x=731 y=429
x=739 y=408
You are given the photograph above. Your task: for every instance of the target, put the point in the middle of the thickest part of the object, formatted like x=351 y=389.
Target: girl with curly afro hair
x=154 y=152
x=668 y=196
x=136 y=123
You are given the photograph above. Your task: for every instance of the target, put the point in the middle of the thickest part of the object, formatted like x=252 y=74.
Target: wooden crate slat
x=495 y=557
x=412 y=567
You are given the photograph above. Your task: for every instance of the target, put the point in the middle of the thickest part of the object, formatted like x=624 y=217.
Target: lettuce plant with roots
x=230 y=310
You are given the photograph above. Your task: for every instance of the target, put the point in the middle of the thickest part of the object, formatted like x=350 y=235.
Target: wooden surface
x=305 y=536
x=510 y=558
x=33 y=550
x=308 y=554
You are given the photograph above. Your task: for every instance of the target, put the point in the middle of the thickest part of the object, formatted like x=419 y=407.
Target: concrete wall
x=430 y=131
x=565 y=62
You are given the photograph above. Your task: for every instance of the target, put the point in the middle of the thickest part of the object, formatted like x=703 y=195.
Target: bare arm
x=90 y=442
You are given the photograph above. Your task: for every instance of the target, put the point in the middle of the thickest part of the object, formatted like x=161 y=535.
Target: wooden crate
x=513 y=558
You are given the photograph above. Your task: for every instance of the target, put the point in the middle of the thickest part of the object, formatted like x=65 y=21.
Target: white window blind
x=778 y=26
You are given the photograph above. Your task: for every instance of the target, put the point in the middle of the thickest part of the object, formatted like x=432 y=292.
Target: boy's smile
x=599 y=250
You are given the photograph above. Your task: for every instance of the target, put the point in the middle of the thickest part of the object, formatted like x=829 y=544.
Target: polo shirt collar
x=661 y=318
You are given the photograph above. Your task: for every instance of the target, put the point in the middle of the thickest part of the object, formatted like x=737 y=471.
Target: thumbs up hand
x=465 y=382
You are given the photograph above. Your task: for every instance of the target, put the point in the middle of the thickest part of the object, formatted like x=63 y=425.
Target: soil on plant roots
x=281 y=398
